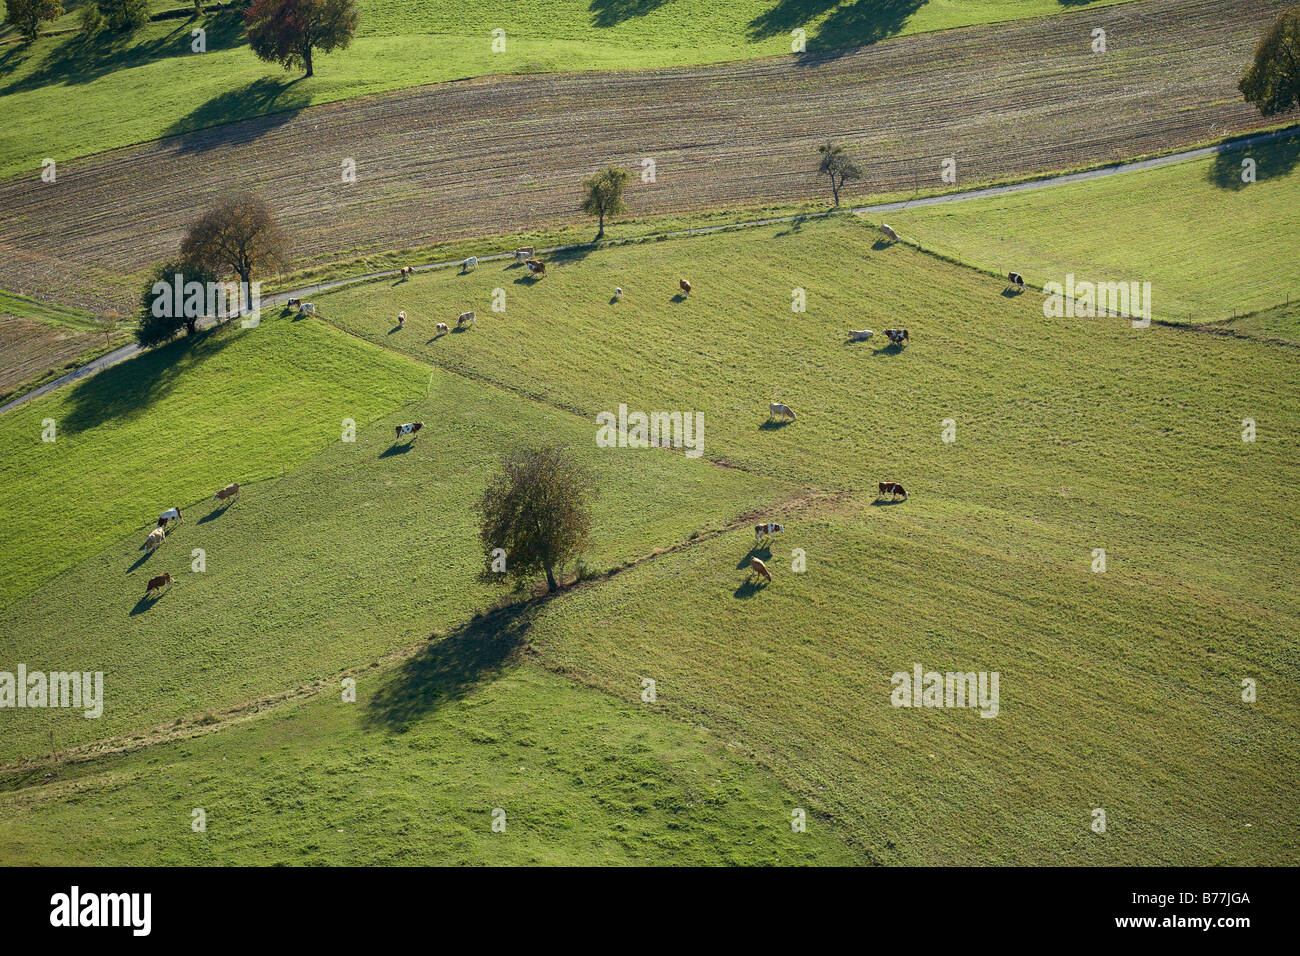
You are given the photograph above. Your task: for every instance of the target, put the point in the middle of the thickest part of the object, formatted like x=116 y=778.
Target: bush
x=92 y=21
x=125 y=15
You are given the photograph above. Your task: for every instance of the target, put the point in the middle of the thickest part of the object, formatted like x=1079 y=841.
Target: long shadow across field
x=1274 y=159
x=120 y=392
x=448 y=669
x=847 y=25
x=263 y=105
x=610 y=13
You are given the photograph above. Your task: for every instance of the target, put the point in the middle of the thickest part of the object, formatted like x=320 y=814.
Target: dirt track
x=506 y=154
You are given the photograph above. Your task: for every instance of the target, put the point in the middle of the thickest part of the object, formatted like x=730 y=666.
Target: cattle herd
x=159 y=534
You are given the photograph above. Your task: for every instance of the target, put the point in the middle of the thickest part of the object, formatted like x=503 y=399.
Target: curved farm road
x=505 y=155
x=127 y=351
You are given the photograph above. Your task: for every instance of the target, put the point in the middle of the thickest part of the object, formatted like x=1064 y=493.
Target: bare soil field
x=28 y=349
x=504 y=155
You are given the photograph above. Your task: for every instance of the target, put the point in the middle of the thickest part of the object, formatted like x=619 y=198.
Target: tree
x=237 y=236
x=160 y=320
x=536 y=511
x=839 y=166
x=27 y=15
x=1272 y=83
x=92 y=21
x=286 y=31
x=604 y=195
x=125 y=15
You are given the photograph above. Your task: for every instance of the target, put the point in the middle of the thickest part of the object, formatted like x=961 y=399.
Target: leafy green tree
x=92 y=21
x=536 y=510
x=125 y=15
x=160 y=321
x=603 y=195
x=1272 y=83
x=27 y=15
x=839 y=166
x=287 y=31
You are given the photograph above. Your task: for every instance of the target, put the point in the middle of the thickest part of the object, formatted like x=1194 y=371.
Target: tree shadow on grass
x=1272 y=159
x=262 y=105
x=77 y=60
x=610 y=13
x=847 y=25
x=446 y=670
x=127 y=390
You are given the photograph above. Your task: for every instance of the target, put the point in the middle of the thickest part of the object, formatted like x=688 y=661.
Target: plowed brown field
x=508 y=154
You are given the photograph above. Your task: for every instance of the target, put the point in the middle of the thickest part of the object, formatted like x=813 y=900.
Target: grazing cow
x=861 y=335
x=1017 y=280
x=767 y=530
x=525 y=253
x=171 y=514
x=408 y=429
x=685 y=287
x=536 y=267
x=406 y=272
x=893 y=489
x=889 y=233
x=307 y=308
x=230 y=491
x=897 y=336
x=618 y=292
x=470 y=263
x=776 y=409
x=758 y=567
x=442 y=328
x=466 y=318
x=401 y=319
x=156 y=537
x=293 y=301
x=163 y=580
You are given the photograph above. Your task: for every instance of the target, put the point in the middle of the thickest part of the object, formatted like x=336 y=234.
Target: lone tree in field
x=286 y=31
x=27 y=15
x=237 y=236
x=160 y=320
x=839 y=166
x=535 y=510
x=1273 y=81
x=603 y=195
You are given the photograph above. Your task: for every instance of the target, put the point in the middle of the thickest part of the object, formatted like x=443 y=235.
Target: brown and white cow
x=158 y=583
x=524 y=253
x=227 y=493
x=401 y=319
x=685 y=287
x=466 y=318
x=535 y=267
x=171 y=514
x=897 y=336
x=156 y=537
x=758 y=567
x=406 y=272
x=410 y=428
x=893 y=489
x=442 y=328
x=767 y=530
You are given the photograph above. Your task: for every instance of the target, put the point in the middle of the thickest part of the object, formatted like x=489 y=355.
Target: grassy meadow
x=1210 y=244
x=79 y=98
x=1119 y=689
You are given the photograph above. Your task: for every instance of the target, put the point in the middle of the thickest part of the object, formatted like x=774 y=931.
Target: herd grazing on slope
x=527 y=255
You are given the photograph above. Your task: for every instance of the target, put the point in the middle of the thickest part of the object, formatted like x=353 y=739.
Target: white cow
x=861 y=335
x=776 y=409
x=470 y=263
x=889 y=233
x=466 y=318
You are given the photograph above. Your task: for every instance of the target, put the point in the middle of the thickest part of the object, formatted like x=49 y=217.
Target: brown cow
x=230 y=491
x=893 y=489
x=158 y=583
x=758 y=567
x=536 y=267
x=408 y=429
x=685 y=287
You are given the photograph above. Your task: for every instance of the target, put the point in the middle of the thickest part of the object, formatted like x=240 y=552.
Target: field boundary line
x=207 y=723
x=281 y=298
